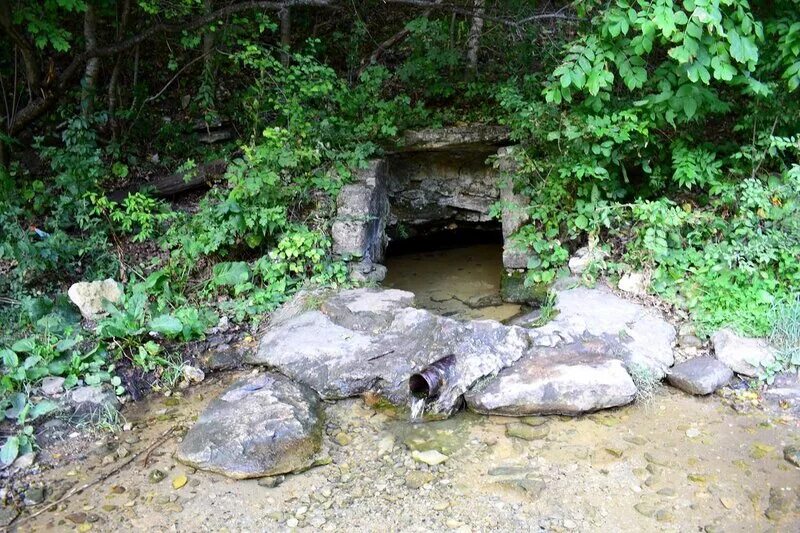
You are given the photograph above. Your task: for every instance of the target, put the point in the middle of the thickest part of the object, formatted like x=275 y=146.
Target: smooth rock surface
x=264 y=425
x=566 y=380
x=701 y=375
x=369 y=340
x=743 y=355
x=637 y=335
x=90 y=297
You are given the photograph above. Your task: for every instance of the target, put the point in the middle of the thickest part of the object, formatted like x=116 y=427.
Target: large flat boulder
x=639 y=336
x=567 y=380
x=370 y=340
x=264 y=425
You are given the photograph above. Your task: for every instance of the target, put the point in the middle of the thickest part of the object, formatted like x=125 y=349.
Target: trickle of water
x=417 y=408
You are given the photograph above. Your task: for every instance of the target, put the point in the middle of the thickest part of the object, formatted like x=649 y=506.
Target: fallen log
x=177 y=183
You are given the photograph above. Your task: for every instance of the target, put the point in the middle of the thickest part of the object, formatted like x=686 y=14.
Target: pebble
x=156 y=476
x=292 y=522
x=179 y=482
x=342 y=438
x=429 y=457
x=417 y=479
x=792 y=454
x=270 y=482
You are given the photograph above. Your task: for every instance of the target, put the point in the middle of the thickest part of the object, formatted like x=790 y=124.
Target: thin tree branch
x=41 y=105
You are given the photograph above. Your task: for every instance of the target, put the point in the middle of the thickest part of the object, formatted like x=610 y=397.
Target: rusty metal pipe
x=428 y=382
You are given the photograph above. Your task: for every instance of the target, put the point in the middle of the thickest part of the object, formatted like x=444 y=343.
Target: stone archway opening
x=440 y=194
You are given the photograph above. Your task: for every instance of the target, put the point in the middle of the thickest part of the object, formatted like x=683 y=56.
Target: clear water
x=417 y=407
x=463 y=283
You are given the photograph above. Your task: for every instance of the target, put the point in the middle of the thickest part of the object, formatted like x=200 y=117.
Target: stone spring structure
x=436 y=179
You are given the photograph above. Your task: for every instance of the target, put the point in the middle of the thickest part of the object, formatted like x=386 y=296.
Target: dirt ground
x=680 y=463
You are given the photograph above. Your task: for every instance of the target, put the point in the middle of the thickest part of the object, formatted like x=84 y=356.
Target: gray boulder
x=567 y=380
x=743 y=355
x=264 y=425
x=90 y=297
x=637 y=335
x=701 y=375
x=370 y=340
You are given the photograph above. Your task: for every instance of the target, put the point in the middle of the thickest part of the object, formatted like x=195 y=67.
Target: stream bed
x=673 y=463
x=678 y=463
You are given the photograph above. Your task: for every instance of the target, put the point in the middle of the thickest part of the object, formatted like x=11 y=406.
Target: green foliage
x=785 y=337
x=649 y=75
x=137 y=215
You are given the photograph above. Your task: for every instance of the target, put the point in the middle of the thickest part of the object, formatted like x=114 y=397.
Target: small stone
x=156 y=476
x=342 y=438
x=697 y=478
x=760 y=450
x=533 y=420
x=701 y=375
x=429 y=457
x=633 y=282
x=664 y=515
x=77 y=518
x=728 y=503
x=645 y=509
x=417 y=479
x=616 y=452
x=385 y=445
x=117 y=489
x=34 y=496
x=83 y=528
x=453 y=523
x=292 y=522
x=179 y=482
x=270 y=482
x=692 y=433
x=123 y=452
x=52 y=385
x=193 y=374
x=666 y=491
x=780 y=503
x=526 y=432
x=440 y=506
x=792 y=454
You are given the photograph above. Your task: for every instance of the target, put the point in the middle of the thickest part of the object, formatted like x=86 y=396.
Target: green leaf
x=10 y=359
x=166 y=325
x=581 y=222
x=42 y=408
x=24 y=345
x=10 y=450
x=231 y=274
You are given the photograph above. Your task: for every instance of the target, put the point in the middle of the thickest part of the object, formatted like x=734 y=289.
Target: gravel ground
x=680 y=463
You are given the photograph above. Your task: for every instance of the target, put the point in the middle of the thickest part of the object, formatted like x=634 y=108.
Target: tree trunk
x=93 y=64
x=114 y=80
x=175 y=184
x=286 y=34
x=473 y=40
x=25 y=47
